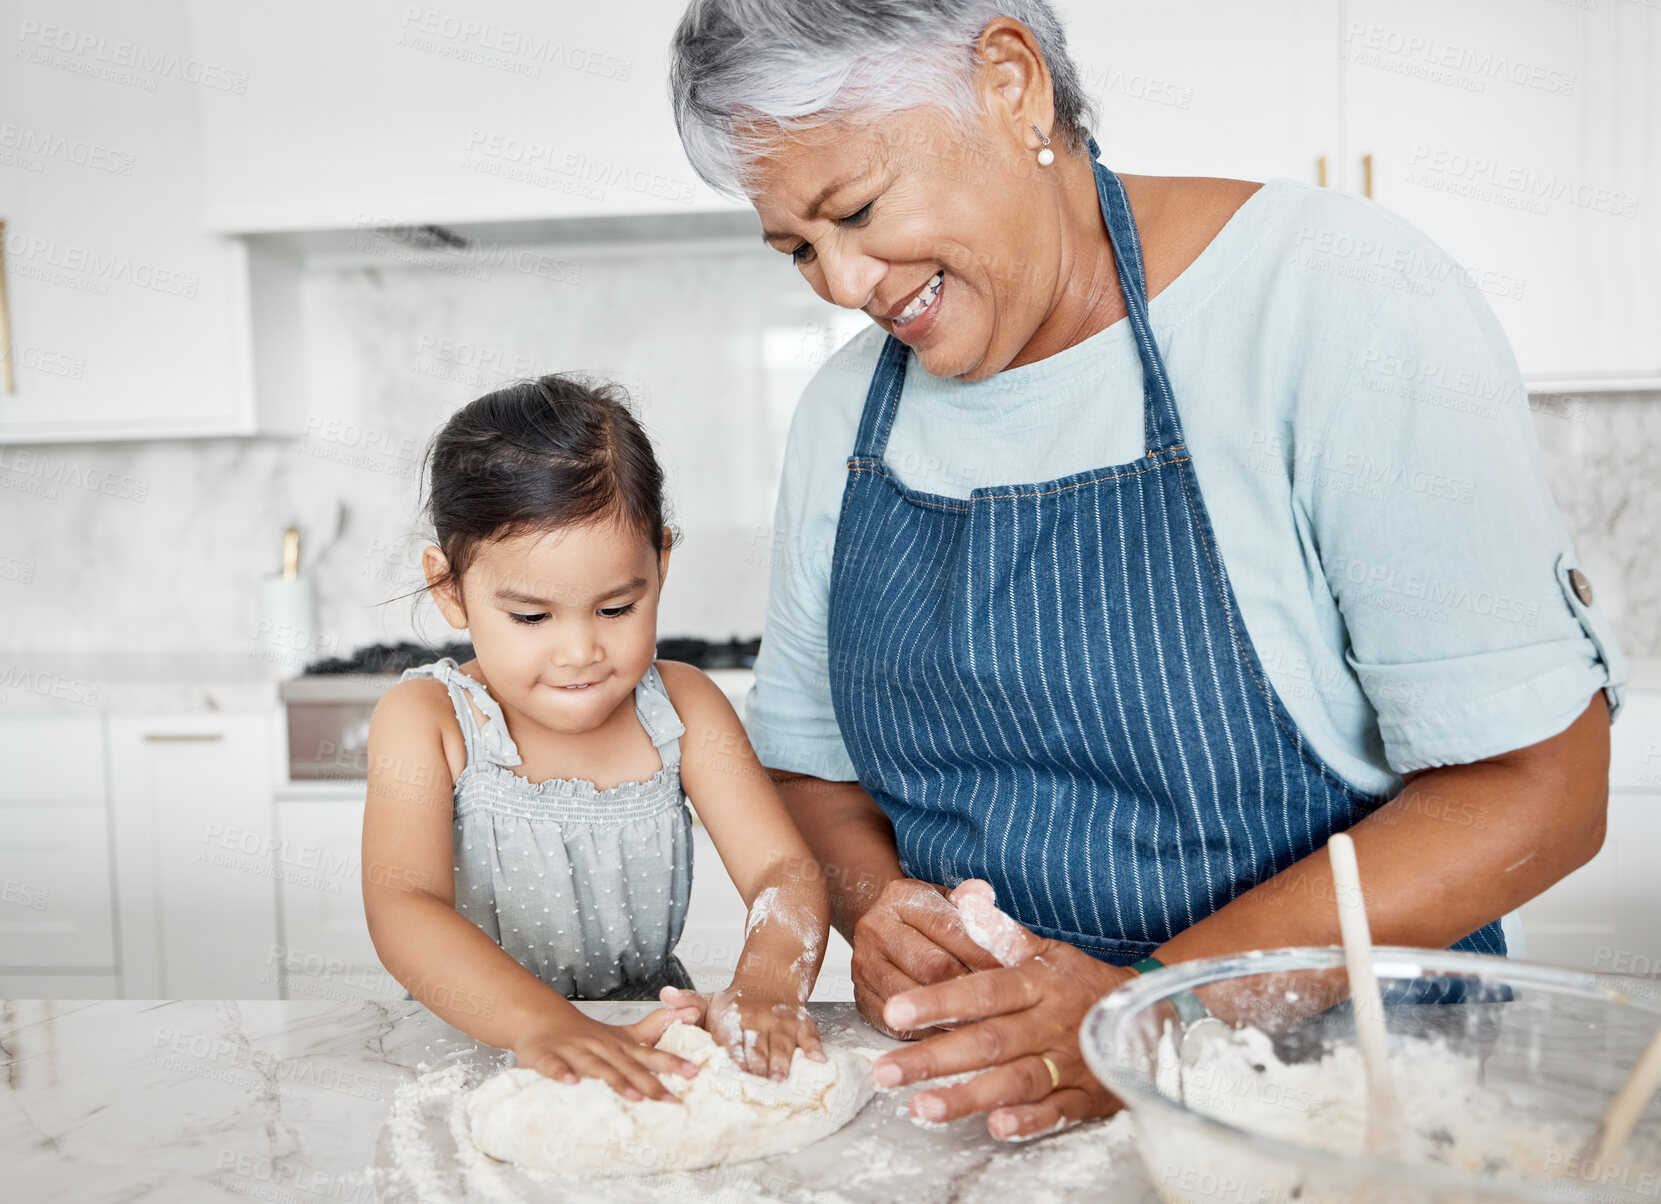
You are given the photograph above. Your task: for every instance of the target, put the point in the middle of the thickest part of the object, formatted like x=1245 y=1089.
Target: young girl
x=526 y=840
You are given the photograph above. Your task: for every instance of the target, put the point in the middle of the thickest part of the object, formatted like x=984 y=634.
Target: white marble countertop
x=43 y=681
x=289 y=1101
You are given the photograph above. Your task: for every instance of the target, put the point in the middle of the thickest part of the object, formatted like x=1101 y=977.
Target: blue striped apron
x=1048 y=685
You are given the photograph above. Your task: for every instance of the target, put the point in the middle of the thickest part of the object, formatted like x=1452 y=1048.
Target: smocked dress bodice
x=586 y=888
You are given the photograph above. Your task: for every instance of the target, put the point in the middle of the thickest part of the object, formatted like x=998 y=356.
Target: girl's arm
x=445 y=960
x=760 y=1017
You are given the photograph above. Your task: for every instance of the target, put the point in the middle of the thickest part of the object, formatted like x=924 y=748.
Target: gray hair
x=739 y=64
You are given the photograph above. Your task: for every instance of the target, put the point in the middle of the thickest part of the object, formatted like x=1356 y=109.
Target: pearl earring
x=1046 y=156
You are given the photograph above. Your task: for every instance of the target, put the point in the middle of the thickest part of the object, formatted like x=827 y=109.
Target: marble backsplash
x=1602 y=455
x=714 y=342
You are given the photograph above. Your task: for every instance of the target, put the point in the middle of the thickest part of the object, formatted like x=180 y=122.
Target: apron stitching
x=998 y=497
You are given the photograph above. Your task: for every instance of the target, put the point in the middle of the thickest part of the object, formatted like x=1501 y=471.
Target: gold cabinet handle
x=1367 y=176
x=6 y=377
x=1320 y=171
x=182 y=737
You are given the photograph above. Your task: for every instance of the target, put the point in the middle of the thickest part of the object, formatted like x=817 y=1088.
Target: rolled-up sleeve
x=1470 y=625
x=789 y=715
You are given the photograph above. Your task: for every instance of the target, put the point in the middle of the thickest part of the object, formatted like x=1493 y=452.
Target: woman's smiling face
x=948 y=242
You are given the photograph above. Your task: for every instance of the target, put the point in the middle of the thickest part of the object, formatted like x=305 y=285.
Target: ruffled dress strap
x=490 y=742
x=658 y=716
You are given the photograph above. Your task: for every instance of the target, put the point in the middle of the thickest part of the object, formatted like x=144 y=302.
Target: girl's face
x=564 y=623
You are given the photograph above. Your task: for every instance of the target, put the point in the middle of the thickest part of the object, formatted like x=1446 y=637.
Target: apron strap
x=882 y=401
x=1159 y=410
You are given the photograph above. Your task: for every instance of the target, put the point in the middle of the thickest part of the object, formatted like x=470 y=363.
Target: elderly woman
x=1156 y=530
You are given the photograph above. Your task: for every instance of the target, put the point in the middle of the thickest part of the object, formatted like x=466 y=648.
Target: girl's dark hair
x=538 y=455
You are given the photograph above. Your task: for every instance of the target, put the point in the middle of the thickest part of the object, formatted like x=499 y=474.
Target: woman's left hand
x=1010 y=1020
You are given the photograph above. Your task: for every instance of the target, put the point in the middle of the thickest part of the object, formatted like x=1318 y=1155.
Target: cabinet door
x=55 y=908
x=1635 y=837
x=325 y=951
x=382 y=111
x=55 y=888
x=1603 y=916
x=127 y=320
x=1518 y=141
x=197 y=856
x=1572 y=920
x=1210 y=87
x=60 y=986
x=57 y=758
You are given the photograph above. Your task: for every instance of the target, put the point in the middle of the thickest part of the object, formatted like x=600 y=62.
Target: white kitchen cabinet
x=58 y=757
x=386 y=112
x=128 y=321
x=60 y=986
x=1604 y=915
x=55 y=887
x=1210 y=87
x=1526 y=149
x=325 y=951
x=196 y=854
x=55 y=906
x=1521 y=143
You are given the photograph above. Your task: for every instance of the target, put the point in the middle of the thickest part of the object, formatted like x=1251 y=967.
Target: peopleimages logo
x=101 y=268
x=1483 y=178
x=492 y=45
x=52 y=471
x=1443 y=596
x=97 y=55
x=579 y=167
x=1375 y=45
x=78 y=151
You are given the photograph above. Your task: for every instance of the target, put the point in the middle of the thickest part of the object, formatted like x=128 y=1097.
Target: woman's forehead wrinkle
x=801 y=181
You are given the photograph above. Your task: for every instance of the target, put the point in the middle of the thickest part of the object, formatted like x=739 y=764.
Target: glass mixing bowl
x=1502 y=1070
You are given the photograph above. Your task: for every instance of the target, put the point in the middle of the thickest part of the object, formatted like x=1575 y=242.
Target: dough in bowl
x=725 y=1114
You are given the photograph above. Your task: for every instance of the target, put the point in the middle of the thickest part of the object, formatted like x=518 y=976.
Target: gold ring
x=1055 y=1075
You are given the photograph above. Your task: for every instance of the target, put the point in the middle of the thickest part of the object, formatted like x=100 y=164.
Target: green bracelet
x=1190 y=1011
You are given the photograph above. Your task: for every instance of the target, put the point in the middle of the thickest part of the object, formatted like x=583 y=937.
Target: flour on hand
x=725 y=1114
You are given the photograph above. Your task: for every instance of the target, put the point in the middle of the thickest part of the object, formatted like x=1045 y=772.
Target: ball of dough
x=725 y=1114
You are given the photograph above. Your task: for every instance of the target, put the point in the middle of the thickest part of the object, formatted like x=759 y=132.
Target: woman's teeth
x=921 y=302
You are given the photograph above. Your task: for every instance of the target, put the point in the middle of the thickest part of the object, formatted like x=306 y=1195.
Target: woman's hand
x=575 y=1046
x=911 y=936
x=759 y=1028
x=1012 y=1019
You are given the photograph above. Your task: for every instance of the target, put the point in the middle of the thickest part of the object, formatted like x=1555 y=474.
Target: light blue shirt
x=1363 y=442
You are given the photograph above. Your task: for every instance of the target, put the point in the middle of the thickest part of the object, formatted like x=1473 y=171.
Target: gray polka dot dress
x=586 y=888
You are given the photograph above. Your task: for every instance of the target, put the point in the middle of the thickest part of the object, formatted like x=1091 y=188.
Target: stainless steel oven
x=330 y=705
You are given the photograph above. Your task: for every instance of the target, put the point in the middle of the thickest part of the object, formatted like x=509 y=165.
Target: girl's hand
x=576 y=1046
x=693 y=1005
x=761 y=1029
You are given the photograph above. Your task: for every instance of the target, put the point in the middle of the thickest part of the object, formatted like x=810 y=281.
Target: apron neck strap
x=1159 y=411
x=882 y=400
